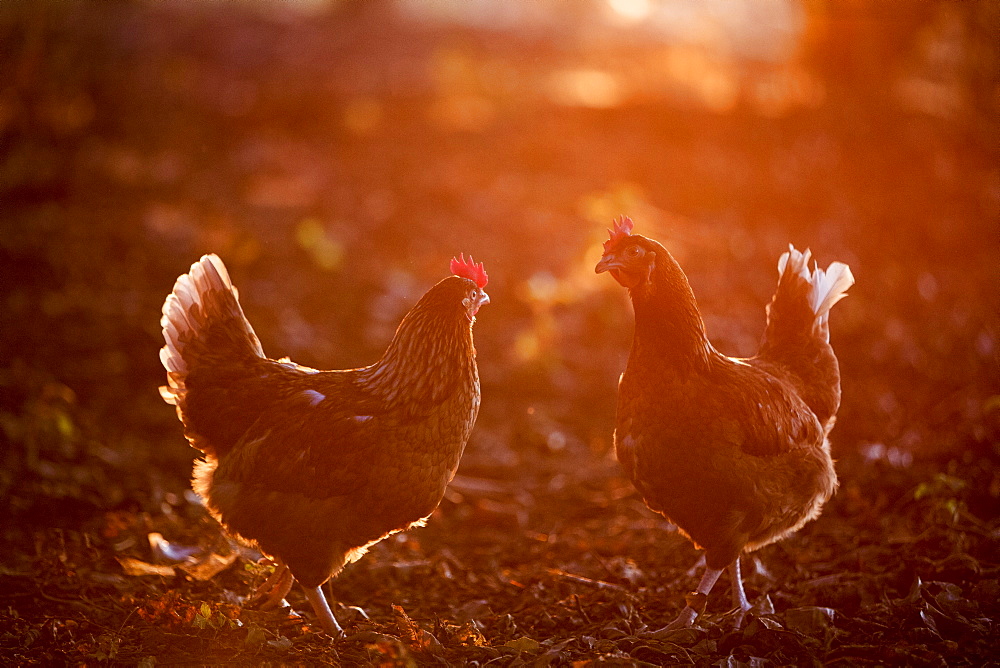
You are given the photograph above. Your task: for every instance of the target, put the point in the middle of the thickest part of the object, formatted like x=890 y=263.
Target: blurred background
x=337 y=154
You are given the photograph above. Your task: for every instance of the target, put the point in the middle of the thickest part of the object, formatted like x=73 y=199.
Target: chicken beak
x=607 y=263
x=481 y=300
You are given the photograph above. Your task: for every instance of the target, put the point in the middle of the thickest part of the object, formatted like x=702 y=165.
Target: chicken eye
x=633 y=251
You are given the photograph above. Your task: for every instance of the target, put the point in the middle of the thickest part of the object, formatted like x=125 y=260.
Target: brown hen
x=313 y=467
x=733 y=451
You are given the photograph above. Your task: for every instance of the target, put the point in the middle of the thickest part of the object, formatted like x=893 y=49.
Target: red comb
x=622 y=229
x=469 y=270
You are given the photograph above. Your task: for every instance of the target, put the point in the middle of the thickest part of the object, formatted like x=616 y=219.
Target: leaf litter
x=540 y=554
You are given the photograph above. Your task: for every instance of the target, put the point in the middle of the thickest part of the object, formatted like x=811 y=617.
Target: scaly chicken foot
x=740 y=601
x=689 y=614
x=696 y=599
x=322 y=610
x=273 y=590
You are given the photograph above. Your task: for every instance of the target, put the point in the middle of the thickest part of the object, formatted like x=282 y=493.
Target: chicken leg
x=688 y=614
x=273 y=590
x=708 y=580
x=739 y=594
x=322 y=610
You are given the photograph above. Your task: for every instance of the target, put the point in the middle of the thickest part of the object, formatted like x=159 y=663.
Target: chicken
x=732 y=451
x=313 y=467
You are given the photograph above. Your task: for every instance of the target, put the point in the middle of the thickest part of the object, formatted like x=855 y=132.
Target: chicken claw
x=689 y=613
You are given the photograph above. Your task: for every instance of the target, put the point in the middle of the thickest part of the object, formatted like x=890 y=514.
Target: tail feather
x=797 y=337
x=830 y=287
x=202 y=318
x=825 y=288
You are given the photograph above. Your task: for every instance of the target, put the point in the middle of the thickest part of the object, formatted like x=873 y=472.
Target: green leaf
x=941 y=484
x=952 y=506
x=255 y=636
x=523 y=644
x=65 y=426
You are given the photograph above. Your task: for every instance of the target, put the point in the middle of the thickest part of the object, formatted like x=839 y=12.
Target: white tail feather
x=828 y=286
x=832 y=286
x=800 y=261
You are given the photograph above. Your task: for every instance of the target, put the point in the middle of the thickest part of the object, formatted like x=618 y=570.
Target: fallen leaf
x=169 y=552
x=138 y=567
x=523 y=644
x=209 y=566
x=809 y=620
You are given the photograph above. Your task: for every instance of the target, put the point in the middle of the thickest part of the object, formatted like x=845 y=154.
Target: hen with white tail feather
x=732 y=451
x=313 y=467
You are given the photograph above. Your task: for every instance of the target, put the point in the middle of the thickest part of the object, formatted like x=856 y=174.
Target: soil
x=336 y=156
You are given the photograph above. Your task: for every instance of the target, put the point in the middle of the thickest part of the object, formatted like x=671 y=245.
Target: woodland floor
x=336 y=159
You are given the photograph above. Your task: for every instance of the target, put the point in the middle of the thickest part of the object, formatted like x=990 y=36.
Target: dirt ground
x=337 y=155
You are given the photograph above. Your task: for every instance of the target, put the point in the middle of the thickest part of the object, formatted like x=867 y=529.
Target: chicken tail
x=821 y=288
x=202 y=321
x=797 y=337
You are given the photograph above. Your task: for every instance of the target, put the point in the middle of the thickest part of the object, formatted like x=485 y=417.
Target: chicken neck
x=669 y=330
x=431 y=353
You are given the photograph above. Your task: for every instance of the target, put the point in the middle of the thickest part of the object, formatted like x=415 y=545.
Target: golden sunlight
x=586 y=88
x=631 y=10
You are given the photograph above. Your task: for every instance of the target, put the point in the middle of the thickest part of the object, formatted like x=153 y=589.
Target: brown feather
x=315 y=466
x=732 y=451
